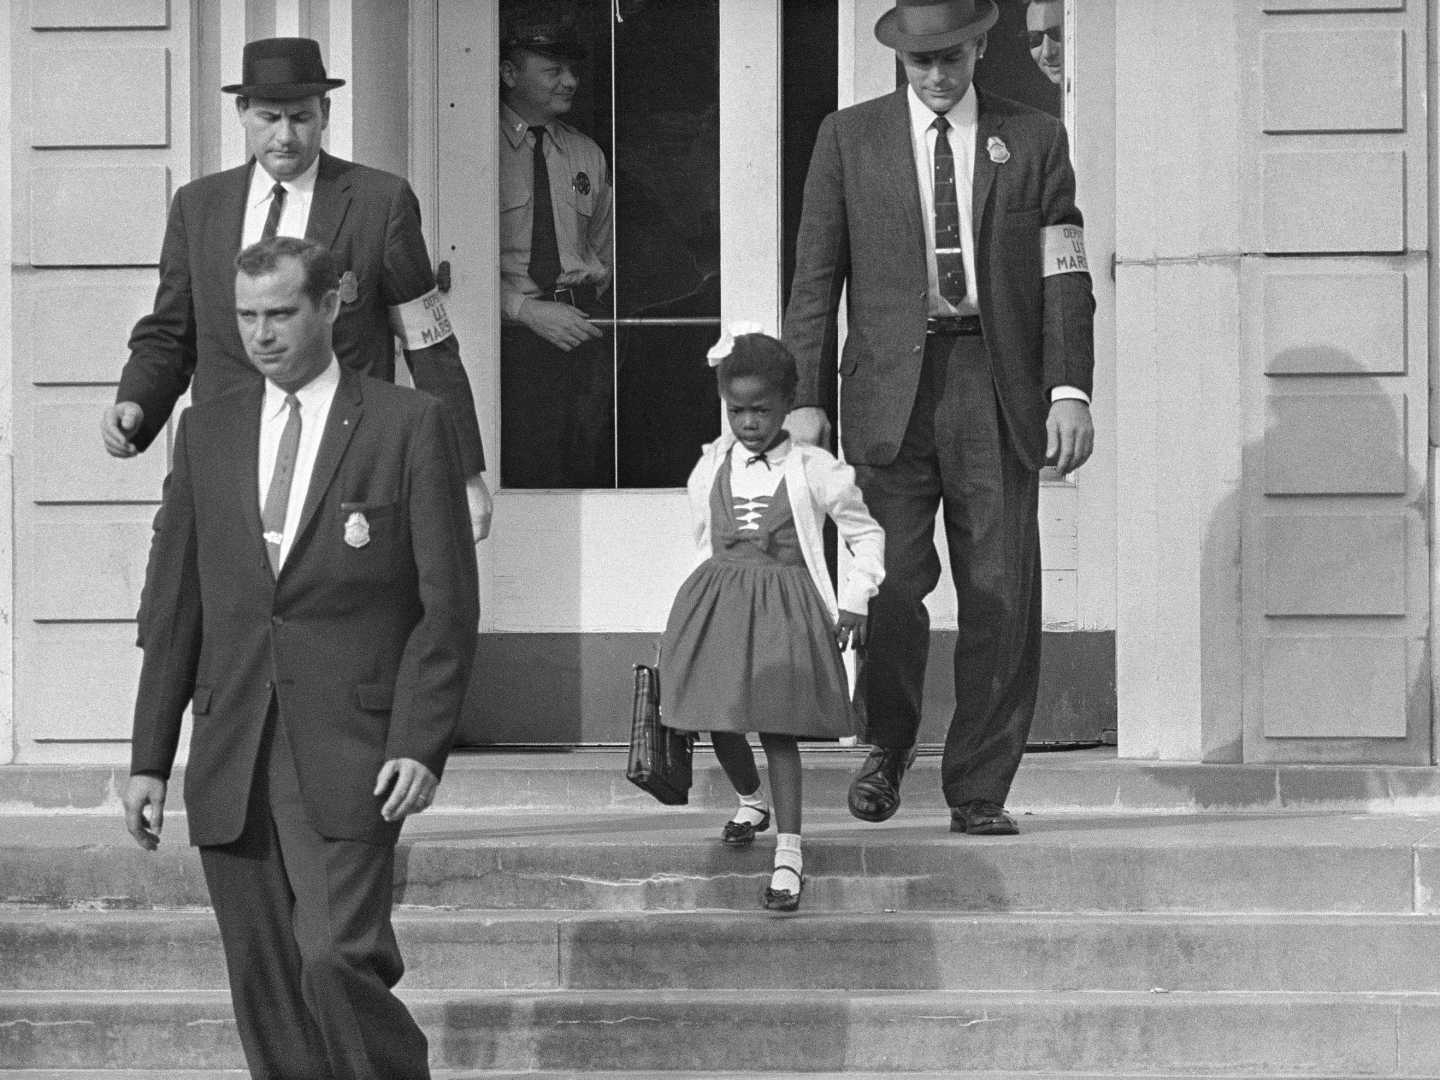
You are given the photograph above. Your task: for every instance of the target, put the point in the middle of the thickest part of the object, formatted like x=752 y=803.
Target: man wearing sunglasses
x=1045 y=32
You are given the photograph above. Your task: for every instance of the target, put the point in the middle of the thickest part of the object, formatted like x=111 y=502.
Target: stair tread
x=946 y=1074
x=663 y=827
x=674 y=998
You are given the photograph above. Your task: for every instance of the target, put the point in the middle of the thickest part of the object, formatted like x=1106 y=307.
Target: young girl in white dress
x=754 y=637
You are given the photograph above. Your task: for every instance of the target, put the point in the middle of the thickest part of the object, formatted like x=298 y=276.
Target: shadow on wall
x=1308 y=649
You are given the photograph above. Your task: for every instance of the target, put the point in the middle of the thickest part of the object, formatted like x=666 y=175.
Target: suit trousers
x=309 y=946
x=957 y=458
x=557 y=412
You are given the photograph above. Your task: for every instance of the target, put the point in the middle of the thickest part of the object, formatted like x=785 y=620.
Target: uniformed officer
x=556 y=262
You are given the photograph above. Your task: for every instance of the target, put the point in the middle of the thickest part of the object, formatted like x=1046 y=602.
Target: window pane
x=649 y=97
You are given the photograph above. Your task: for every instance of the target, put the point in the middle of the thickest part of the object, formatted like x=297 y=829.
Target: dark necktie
x=760 y=457
x=272 y=517
x=544 y=251
x=277 y=207
x=949 y=257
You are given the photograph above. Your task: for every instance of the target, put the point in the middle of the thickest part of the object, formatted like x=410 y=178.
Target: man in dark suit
x=370 y=221
x=948 y=217
x=314 y=563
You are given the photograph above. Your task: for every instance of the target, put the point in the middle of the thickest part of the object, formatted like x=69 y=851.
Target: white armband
x=422 y=322
x=1063 y=250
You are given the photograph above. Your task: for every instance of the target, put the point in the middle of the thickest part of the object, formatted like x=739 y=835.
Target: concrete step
x=772 y=1032
x=1090 y=781
x=671 y=860
x=548 y=950
x=508 y=1074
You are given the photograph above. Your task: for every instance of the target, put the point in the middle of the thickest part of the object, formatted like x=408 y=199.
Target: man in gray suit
x=947 y=216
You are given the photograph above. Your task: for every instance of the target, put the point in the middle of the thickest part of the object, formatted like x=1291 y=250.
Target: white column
x=7 y=455
x=338 y=49
x=232 y=45
x=750 y=161
x=1178 y=422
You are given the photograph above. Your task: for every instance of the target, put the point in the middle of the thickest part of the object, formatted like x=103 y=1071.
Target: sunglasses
x=1037 y=37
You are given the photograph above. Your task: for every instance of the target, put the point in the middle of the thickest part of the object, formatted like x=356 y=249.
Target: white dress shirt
x=299 y=194
x=964 y=118
x=315 y=398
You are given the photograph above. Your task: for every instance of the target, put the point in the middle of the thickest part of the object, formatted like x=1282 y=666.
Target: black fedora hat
x=281 y=69
x=932 y=25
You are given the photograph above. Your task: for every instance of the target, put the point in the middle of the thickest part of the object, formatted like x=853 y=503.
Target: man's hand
x=850 y=629
x=121 y=421
x=808 y=424
x=144 y=801
x=413 y=790
x=482 y=506
x=1069 y=435
x=560 y=324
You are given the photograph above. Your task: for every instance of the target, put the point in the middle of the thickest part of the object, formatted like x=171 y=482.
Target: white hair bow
x=722 y=348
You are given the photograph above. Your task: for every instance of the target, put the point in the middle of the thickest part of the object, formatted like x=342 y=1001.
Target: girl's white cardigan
x=832 y=490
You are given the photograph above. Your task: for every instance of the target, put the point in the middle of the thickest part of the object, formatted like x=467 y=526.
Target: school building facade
x=1243 y=573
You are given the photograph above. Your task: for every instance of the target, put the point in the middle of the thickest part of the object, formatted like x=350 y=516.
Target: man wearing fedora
x=370 y=221
x=947 y=215
x=556 y=261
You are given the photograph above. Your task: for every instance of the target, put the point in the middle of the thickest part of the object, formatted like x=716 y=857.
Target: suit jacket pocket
x=374 y=697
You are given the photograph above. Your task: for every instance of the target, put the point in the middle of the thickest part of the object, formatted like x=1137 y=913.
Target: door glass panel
x=633 y=409
x=1025 y=55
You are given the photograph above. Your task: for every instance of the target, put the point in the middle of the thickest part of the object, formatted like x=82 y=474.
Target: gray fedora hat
x=932 y=25
x=282 y=69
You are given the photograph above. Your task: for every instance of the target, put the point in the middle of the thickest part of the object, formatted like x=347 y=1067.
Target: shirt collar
x=312 y=395
x=964 y=114
x=516 y=129
x=261 y=183
x=775 y=456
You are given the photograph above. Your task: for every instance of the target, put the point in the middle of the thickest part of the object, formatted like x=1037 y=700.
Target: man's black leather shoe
x=875 y=791
x=981 y=817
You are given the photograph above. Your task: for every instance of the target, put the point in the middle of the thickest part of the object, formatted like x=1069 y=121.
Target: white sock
x=787 y=856
x=753 y=808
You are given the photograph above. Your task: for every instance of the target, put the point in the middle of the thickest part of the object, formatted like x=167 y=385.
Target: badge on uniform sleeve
x=1063 y=250
x=581 y=183
x=349 y=287
x=999 y=152
x=357 y=530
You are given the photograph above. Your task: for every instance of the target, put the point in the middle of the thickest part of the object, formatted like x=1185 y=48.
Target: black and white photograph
x=719 y=540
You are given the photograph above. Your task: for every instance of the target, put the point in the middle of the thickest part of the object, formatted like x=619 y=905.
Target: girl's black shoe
x=740 y=833
x=784 y=899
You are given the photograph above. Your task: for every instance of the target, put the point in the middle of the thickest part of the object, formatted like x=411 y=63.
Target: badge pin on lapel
x=357 y=530
x=349 y=287
x=999 y=152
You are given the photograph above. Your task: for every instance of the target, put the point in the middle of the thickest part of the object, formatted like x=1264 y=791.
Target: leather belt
x=954 y=325
x=581 y=296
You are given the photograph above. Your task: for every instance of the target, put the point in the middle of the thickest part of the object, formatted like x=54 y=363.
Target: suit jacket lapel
x=331 y=201
x=896 y=155
x=344 y=418
x=989 y=123
x=239 y=439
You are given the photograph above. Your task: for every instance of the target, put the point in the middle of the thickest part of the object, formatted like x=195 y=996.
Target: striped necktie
x=949 y=256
